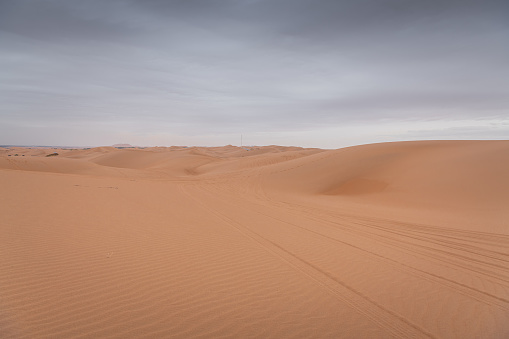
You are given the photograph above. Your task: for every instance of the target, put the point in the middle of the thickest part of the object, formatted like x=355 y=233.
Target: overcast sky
x=310 y=73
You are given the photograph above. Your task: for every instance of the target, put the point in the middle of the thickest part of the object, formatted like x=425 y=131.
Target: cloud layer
x=310 y=73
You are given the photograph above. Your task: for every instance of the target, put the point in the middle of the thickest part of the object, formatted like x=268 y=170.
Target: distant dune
x=122 y=145
x=390 y=240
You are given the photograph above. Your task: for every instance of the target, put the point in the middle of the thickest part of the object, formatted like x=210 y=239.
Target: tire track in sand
x=396 y=324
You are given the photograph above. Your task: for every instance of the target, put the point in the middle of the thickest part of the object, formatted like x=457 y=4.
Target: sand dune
x=392 y=240
x=458 y=176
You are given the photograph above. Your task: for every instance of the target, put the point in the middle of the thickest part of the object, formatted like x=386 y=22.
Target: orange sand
x=392 y=240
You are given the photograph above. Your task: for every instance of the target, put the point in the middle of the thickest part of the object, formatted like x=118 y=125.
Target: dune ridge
x=390 y=240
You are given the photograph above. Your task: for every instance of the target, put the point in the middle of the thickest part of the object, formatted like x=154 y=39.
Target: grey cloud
x=61 y=21
x=258 y=65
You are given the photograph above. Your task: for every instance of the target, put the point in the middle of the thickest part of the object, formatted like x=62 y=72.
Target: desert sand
x=391 y=240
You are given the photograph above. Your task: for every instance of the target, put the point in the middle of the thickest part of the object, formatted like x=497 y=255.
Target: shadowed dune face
x=357 y=186
x=446 y=172
x=389 y=240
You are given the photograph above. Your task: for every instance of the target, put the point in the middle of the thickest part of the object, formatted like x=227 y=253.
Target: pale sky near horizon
x=312 y=73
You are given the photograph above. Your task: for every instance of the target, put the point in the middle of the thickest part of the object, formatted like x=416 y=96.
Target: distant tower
x=241 y=140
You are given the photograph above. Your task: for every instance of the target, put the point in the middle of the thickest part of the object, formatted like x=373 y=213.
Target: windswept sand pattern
x=397 y=240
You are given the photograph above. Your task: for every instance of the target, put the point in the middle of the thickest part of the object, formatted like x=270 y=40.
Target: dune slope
x=395 y=240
